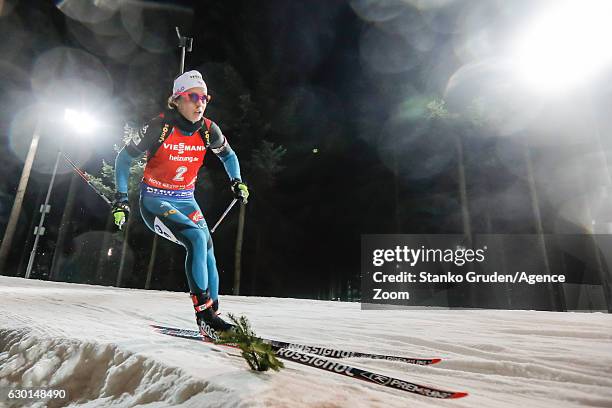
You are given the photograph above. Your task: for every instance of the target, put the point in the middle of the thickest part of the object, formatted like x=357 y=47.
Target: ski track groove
x=582 y=335
x=444 y=348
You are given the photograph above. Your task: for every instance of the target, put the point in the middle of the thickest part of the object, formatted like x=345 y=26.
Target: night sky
x=345 y=87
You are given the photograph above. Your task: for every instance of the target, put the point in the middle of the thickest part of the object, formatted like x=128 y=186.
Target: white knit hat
x=190 y=79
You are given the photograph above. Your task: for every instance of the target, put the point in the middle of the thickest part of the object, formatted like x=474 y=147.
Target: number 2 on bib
x=179 y=173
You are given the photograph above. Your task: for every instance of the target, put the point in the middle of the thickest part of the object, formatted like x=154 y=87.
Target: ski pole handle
x=229 y=207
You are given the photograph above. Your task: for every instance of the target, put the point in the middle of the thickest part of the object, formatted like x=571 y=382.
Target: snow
x=96 y=343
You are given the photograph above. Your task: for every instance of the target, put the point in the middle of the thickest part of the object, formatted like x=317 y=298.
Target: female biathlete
x=175 y=143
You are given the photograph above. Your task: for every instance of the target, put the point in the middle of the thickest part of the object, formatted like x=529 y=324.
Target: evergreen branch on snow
x=258 y=355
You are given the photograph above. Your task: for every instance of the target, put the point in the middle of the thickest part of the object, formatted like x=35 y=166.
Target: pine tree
x=257 y=354
x=107 y=178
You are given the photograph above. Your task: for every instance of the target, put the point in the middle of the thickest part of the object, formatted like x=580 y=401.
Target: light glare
x=566 y=46
x=81 y=122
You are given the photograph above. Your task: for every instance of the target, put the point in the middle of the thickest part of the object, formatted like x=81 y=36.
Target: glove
x=240 y=190
x=121 y=209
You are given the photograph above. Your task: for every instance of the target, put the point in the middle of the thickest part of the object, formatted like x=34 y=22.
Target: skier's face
x=192 y=107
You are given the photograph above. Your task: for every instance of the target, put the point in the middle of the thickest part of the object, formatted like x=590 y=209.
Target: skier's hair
x=172 y=102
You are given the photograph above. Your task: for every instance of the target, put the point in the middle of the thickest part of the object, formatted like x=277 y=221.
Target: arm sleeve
x=221 y=148
x=122 y=170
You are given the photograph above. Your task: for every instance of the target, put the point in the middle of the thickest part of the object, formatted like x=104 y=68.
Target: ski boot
x=207 y=316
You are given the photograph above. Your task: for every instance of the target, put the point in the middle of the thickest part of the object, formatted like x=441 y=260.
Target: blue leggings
x=181 y=221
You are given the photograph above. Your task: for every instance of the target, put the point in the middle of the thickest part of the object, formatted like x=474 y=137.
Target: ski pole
x=87 y=179
x=229 y=207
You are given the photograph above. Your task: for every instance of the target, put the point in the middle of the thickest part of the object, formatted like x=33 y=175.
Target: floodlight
x=81 y=122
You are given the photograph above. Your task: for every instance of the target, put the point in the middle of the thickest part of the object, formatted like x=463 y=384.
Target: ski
x=319 y=351
x=331 y=366
x=364 y=375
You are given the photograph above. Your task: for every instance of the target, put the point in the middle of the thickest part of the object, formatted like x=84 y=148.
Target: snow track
x=96 y=343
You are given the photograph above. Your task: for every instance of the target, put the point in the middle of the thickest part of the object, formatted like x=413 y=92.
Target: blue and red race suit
x=175 y=151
